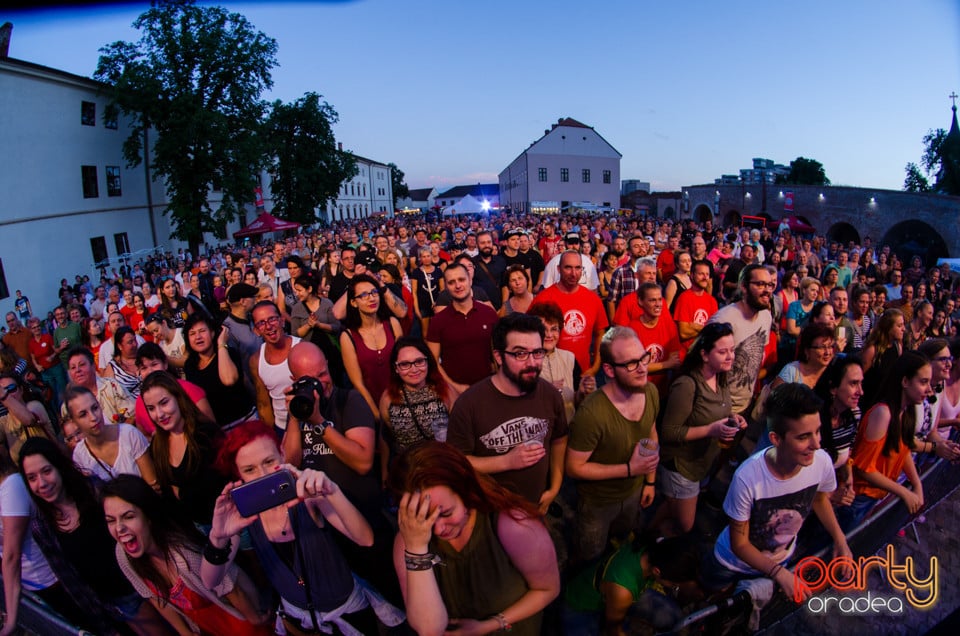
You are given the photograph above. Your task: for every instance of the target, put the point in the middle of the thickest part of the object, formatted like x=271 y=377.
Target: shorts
x=676 y=486
x=127 y=605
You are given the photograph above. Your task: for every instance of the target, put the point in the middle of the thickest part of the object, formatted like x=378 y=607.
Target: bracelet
x=416 y=563
x=773 y=571
x=215 y=555
x=649 y=483
x=502 y=621
x=628 y=471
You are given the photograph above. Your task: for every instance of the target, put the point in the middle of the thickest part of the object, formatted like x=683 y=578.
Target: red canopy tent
x=264 y=223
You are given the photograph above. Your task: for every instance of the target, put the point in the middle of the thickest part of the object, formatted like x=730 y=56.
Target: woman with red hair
x=499 y=564
x=295 y=542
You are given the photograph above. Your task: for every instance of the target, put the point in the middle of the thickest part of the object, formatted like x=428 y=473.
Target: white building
x=570 y=166
x=422 y=199
x=71 y=201
x=370 y=191
x=485 y=193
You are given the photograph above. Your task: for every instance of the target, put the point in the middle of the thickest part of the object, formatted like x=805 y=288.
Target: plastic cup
x=649 y=446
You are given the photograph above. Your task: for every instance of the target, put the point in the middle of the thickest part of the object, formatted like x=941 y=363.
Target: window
x=606 y=176
x=98 y=245
x=110 y=117
x=113 y=181
x=4 y=290
x=89 y=174
x=543 y=174
x=351 y=190
x=564 y=175
x=88 y=113
x=121 y=243
x=585 y=175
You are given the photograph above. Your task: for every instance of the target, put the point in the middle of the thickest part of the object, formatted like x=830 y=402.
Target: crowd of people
x=525 y=415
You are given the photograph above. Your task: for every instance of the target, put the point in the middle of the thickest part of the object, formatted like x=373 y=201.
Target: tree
x=805 y=172
x=195 y=78
x=915 y=180
x=400 y=189
x=307 y=168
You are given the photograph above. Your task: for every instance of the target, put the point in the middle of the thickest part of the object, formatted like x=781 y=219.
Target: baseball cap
x=239 y=291
x=572 y=237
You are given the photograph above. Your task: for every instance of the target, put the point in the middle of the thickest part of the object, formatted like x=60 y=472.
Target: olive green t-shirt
x=599 y=428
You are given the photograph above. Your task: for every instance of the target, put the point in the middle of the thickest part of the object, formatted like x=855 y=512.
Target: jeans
x=596 y=523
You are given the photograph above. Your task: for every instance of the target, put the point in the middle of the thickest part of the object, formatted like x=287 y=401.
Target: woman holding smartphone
x=161 y=558
x=295 y=541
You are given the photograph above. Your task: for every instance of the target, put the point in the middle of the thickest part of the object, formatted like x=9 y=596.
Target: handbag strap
x=304 y=580
x=416 y=420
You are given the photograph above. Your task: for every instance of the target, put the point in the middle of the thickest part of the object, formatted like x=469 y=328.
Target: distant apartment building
x=482 y=192
x=763 y=171
x=570 y=166
x=633 y=185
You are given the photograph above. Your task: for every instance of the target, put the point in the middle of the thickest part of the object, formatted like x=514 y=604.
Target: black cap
x=512 y=233
x=239 y=291
x=572 y=237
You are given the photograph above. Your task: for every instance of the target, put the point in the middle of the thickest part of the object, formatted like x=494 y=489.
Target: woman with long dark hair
x=416 y=405
x=172 y=303
x=295 y=541
x=216 y=368
x=162 y=559
x=184 y=447
x=696 y=421
x=840 y=387
x=884 y=441
x=499 y=565
x=91 y=337
x=123 y=366
x=313 y=319
x=71 y=532
x=368 y=339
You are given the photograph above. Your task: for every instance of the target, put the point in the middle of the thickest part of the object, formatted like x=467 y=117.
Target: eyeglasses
x=406 y=365
x=522 y=356
x=366 y=294
x=821 y=347
x=944 y=359
x=761 y=284
x=10 y=388
x=632 y=365
x=271 y=321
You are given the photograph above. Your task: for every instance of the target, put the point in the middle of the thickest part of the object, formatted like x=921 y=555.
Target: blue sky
x=451 y=91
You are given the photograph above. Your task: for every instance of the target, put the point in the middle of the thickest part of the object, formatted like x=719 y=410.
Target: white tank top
x=276 y=377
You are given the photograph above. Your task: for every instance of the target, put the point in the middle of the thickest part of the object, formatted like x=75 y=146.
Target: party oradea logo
x=848 y=577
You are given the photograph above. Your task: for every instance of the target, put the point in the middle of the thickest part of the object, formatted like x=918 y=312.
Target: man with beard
x=620 y=249
x=732 y=278
x=612 y=452
x=623 y=281
x=268 y=366
x=459 y=336
x=512 y=425
x=489 y=269
x=696 y=305
x=750 y=318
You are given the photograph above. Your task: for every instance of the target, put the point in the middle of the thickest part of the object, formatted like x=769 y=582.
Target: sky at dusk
x=452 y=91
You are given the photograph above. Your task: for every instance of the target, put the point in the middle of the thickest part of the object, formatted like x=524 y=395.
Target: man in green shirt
x=66 y=335
x=613 y=450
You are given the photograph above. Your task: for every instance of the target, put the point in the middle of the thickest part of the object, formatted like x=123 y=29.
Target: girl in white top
x=106 y=450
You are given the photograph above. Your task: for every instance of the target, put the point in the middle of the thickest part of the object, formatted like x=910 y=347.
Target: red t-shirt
x=694 y=309
x=40 y=350
x=661 y=340
x=549 y=247
x=583 y=314
x=666 y=265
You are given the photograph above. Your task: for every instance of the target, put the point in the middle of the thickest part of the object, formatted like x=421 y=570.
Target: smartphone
x=264 y=493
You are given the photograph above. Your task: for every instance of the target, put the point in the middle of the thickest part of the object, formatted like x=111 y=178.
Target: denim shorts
x=676 y=486
x=128 y=605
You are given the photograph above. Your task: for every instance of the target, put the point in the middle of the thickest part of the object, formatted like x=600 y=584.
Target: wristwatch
x=321 y=428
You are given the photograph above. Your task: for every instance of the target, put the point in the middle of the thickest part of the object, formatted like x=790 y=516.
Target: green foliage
x=932 y=142
x=400 y=189
x=308 y=169
x=192 y=87
x=805 y=171
x=915 y=180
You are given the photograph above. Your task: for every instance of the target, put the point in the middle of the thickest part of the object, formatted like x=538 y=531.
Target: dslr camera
x=301 y=406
